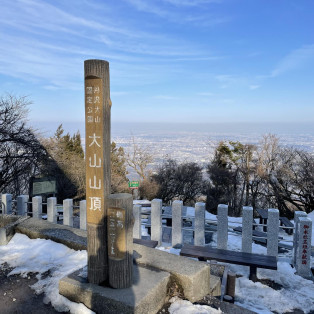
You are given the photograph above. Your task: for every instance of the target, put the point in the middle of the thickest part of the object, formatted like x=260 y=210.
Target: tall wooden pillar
x=97 y=156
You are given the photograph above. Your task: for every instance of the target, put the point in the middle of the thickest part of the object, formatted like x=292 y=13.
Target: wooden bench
x=284 y=221
x=254 y=261
x=257 y=235
x=149 y=243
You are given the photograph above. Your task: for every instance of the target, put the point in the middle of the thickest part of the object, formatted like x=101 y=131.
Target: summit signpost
x=97 y=157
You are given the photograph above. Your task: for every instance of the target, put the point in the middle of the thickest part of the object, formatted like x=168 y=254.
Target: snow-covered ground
x=47 y=257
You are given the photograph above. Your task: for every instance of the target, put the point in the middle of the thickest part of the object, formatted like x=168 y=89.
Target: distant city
x=194 y=142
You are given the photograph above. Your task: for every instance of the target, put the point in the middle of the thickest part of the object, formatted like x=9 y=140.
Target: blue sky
x=170 y=60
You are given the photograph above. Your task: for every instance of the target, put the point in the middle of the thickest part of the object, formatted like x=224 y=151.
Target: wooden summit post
x=97 y=158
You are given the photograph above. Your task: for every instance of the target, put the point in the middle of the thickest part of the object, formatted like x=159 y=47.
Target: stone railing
x=301 y=235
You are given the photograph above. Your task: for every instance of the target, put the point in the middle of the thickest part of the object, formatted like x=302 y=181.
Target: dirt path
x=17 y=297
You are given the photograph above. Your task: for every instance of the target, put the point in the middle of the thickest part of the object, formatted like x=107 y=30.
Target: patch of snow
x=42 y=256
x=179 y=306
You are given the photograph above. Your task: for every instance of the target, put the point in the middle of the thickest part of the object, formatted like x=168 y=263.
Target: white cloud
x=296 y=59
x=252 y=87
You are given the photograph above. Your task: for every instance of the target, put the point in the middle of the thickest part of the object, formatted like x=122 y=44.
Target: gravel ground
x=17 y=297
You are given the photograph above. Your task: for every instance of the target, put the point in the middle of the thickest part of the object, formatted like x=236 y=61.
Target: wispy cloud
x=252 y=87
x=191 y=2
x=207 y=94
x=296 y=59
x=165 y=9
x=41 y=42
x=166 y=97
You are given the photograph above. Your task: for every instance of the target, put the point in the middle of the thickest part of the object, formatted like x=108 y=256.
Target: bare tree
x=20 y=152
x=139 y=158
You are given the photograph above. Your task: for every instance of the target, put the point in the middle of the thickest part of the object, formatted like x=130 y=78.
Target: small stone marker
x=297 y=215
x=303 y=256
x=97 y=157
x=120 y=240
x=222 y=228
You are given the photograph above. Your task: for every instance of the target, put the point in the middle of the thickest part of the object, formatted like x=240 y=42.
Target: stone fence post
x=303 y=250
x=37 y=207
x=272 y=232
x=156 y=222
x=68 y=212
x=247 y=229
x=21 y=205
x=177 y=223
x=137 y=228
x=6 y=204
x=222 y=226
x=52 y=209
x=297 y=215
x=199 y=224
x=83 y=215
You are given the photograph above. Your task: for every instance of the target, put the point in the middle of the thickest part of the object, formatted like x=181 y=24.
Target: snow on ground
x=42 y=256
x=296 y=292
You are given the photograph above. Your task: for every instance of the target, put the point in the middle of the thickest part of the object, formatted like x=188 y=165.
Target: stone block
x=191 y=275
x=146 y=295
